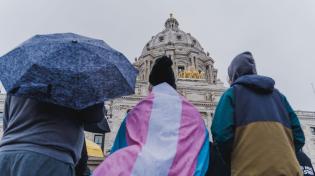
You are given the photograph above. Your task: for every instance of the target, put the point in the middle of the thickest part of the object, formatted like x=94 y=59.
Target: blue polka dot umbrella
x=68 y=70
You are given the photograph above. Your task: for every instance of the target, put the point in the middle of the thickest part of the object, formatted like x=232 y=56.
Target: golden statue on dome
x=191 y=73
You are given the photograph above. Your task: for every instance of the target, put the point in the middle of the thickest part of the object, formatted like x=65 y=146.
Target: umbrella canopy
x=67 y=69
x=93 y=149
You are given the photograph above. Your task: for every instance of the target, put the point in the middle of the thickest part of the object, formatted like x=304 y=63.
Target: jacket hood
x=242 y=64
x=257 y=83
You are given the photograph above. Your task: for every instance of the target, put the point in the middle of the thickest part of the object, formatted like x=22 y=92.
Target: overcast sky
x=280 y=33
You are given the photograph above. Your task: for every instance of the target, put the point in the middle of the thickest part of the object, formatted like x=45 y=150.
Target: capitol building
x=196 y=76
x=196 y=79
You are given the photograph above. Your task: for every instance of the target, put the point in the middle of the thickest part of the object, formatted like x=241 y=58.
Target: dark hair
x=162 y=71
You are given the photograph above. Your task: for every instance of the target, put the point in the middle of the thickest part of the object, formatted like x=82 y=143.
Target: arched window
x=180 y=68
x=161 y=38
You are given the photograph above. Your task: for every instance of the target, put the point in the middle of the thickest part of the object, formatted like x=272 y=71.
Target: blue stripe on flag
x=203 y=157
x=120 y=140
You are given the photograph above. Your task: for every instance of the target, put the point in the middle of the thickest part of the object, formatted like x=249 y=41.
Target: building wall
x=307 y=120
x=1 y=88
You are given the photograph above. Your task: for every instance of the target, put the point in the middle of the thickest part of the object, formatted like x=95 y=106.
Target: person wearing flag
x=163 y=134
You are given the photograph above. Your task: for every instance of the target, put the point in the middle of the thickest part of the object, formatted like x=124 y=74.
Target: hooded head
x=162 y=72
x=242 y=64
x=242 y=71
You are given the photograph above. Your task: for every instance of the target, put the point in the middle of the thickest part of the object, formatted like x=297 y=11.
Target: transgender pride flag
x=162 y=135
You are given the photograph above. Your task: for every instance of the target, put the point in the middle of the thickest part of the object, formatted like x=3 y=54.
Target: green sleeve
x=222 y=127
x=298 y=135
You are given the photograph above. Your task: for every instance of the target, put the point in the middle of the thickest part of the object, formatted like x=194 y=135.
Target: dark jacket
x=217 y=166
x=48 y=129
x=82 y=169
x=305 y=163
x=100 y=127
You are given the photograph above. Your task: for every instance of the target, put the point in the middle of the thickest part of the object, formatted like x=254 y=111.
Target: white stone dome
x=189 y=58
x=172 y=36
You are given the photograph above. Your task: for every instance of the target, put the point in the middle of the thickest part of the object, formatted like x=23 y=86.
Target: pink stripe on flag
x=118 y=163
x=191 y=138
x=121 y=162
x=137 y=123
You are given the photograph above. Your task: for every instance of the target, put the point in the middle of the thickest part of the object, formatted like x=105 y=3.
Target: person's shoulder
x=148 y=99
x=229 y=92
x=282 y=96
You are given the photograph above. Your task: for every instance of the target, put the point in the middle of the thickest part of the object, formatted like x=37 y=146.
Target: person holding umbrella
x=42 y=138
x=55 y=84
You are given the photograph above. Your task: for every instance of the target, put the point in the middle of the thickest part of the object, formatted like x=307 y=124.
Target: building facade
x=307 y=120
x=196 y=79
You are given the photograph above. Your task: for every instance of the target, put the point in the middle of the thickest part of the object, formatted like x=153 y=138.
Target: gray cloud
x=279 y=33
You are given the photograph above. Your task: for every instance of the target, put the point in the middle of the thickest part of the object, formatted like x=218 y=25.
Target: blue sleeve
x=298 y=135
x=120 y=140
x=222 y=127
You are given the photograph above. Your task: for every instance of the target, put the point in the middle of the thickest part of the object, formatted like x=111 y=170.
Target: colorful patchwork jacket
x=256 y=129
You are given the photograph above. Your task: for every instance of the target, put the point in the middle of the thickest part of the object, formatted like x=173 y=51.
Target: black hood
x=257 y=83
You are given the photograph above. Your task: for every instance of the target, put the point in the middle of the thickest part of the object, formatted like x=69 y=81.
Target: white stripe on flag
x=157 y=154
